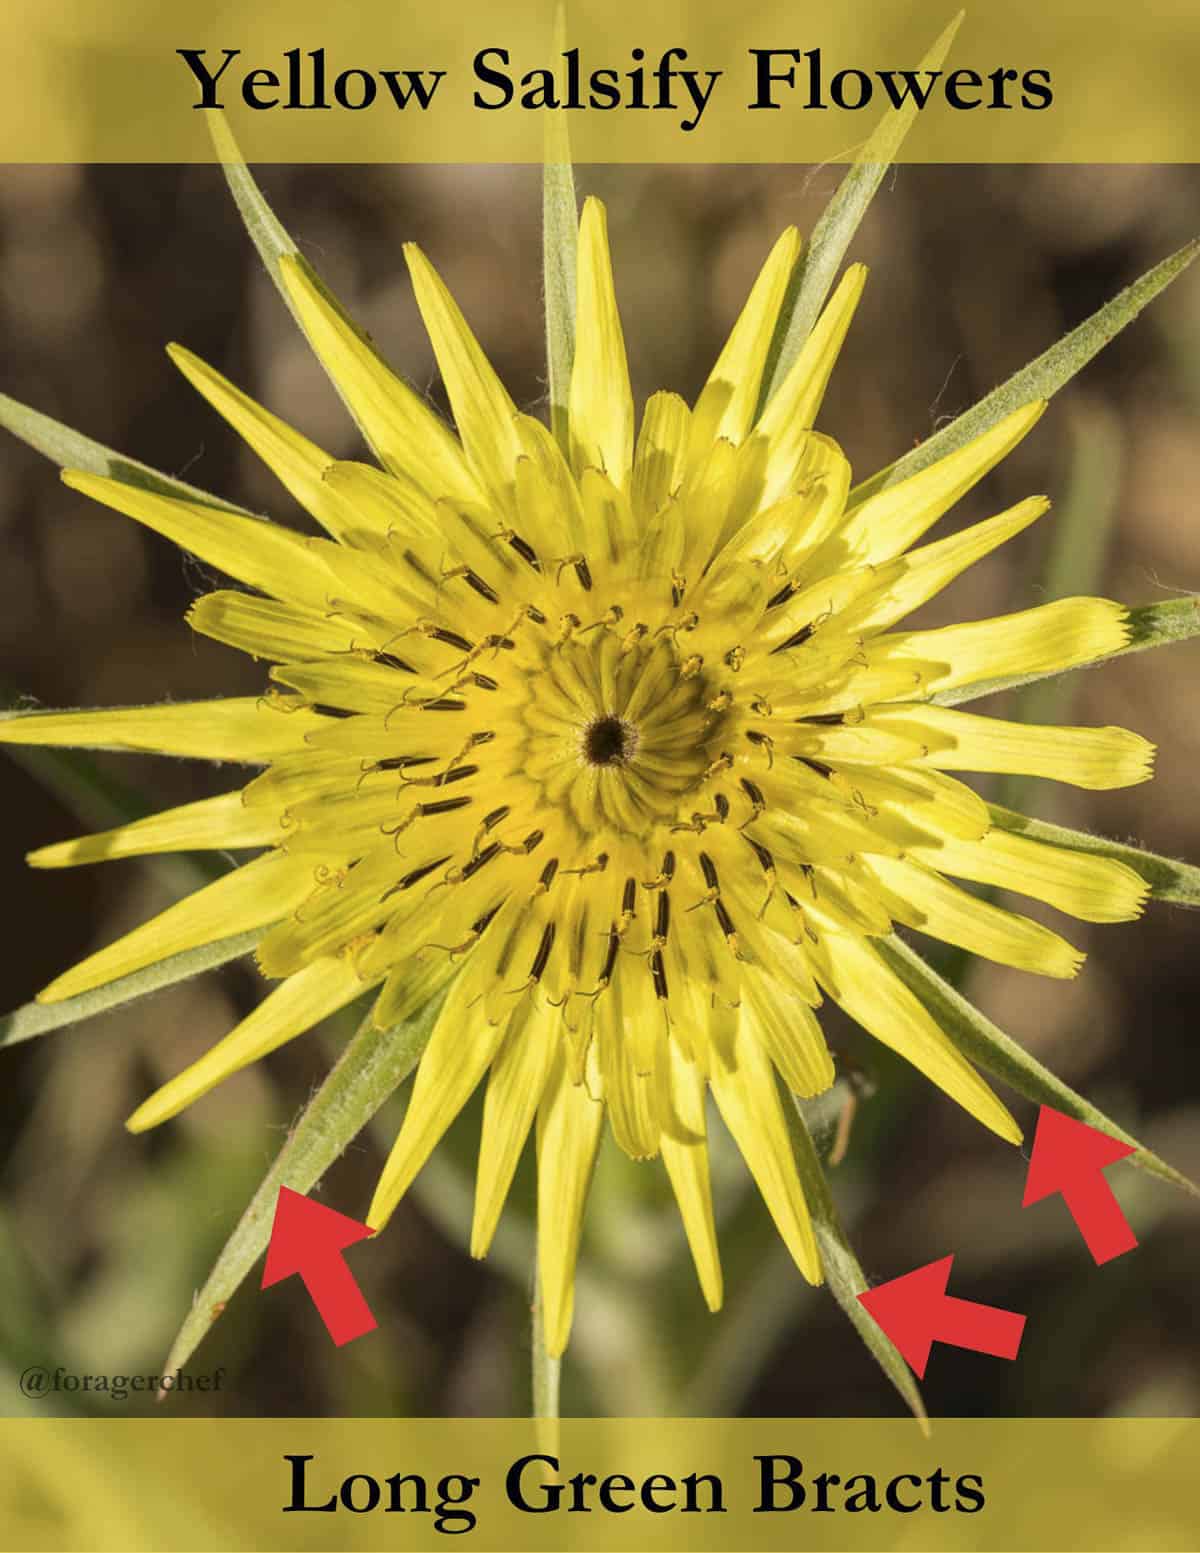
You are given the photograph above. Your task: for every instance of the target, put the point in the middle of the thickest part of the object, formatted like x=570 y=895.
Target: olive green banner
x=703 y=81
x=1054 y=1484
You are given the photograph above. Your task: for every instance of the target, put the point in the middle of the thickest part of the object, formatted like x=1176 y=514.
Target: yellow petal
x=248 y=897
x=601 y=397
x=855 y=977
x=630 y=1088
x=409 y=987
x=458 y=1054
x=685 y=1154
x=355 y=684
x=730 y=397
x=788 y=531
x=515 y=1087
x=609 y=528
x=210 y=823
x=1044 y=640
x=747 y=1098
x=251 y=729
x=887 y=523
x=568 y=1134
x=658 y=459
x=296 y=1005
x=928 y=570
x=275 y=559
x=1092 y=888
x=483 y=411
x=265 y=628
x=549 y=511
x=787 y=1030
x=408 y=438
x=964 y=741
x=945 y=911
x=793 y=407
x=383 y=502
x=296 y=462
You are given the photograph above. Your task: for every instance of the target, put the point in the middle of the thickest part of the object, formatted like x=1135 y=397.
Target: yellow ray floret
x=293 y=1007
x=248 y=729
x=211 y=823
x=601 y=401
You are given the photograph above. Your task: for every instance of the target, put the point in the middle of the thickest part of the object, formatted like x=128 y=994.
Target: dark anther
x=753 y=793
x=721 y=805
x=443 y=704
x=610 y=959
x=442 y=806
x=781 y=597
x=818 y=766
x=628 y=897
x=418 y=874
x=584 y=575
x=709 y=870
x=525 y=550
x=827 y=719
x=543 y=953
x=494 y=817
x=485 y=681
x=482 y=588
x=452 y=639
x=412 y=878
x=322 y=710
x=658 y=971
x=662 y=925
x=455 y=774
x=724 y=919
x=478 y=861
x=798 y=640
x=549 y=872
x=390 y=661
x=763 y=856
x=668 y=866
x=402 y=762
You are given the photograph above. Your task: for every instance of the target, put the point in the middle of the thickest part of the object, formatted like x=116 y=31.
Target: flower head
x=622 y=743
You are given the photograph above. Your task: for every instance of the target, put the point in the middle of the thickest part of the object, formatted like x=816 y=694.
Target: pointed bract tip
x=222 y=138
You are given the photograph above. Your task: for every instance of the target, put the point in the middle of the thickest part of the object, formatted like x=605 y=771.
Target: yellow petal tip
x=143 y=1119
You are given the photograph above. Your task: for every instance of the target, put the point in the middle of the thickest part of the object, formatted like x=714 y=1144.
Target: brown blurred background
x=104 y=1237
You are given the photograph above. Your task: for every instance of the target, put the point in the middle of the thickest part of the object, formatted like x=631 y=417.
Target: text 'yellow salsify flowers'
x=623 y=742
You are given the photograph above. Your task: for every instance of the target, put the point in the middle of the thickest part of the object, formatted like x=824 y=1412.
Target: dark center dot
x=609 y=741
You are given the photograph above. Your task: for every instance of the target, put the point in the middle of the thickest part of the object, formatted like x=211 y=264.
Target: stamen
x=543 y=952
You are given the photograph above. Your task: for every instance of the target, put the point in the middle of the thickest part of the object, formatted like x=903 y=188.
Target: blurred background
x=104 y=1237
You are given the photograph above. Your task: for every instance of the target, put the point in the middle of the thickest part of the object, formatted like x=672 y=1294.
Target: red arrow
x=1068 y=1157
x=308 y=1238
x=915 y=1312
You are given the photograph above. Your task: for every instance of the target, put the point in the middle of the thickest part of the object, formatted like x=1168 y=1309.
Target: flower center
x=614 y=735
x=609 y=741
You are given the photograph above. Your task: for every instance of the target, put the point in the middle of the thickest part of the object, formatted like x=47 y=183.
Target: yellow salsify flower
x=625 y=744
